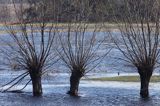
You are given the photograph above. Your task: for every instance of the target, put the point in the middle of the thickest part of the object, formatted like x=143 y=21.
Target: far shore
x=134 y=78
x=99 y=26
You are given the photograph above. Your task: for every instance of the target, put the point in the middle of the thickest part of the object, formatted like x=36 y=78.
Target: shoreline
x=123 y=78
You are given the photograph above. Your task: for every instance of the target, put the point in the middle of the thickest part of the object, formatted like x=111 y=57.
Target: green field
x=155 y=78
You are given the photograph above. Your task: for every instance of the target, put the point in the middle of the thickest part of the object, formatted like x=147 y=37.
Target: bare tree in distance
x=30 y=45
x=139 y=38
x=4 y=13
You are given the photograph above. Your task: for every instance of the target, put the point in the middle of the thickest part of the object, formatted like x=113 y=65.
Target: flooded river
x=92 y=93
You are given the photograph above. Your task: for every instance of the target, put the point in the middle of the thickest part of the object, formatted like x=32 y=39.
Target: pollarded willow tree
x=79 y=49
x=30 y=45
x=80 y=44
x=139 y=37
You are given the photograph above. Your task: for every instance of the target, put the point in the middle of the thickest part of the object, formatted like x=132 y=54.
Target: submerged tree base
x=144 y=94
x=72 y=93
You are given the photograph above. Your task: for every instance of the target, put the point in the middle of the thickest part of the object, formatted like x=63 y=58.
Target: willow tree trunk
x=74 y=83
x=145 y=77
x=36 y=83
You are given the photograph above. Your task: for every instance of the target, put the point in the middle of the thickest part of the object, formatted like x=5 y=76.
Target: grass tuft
x=155 y=78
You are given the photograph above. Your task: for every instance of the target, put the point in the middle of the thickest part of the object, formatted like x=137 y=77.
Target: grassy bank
x=125 y=79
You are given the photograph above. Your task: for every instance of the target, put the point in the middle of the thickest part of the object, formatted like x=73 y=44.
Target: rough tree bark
x=145 y=76
x=36 y=83
x=74 y=83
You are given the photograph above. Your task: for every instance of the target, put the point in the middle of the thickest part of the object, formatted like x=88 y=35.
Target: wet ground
x=92 y=93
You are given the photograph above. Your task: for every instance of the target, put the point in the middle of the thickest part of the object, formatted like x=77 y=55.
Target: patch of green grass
x=155 y=78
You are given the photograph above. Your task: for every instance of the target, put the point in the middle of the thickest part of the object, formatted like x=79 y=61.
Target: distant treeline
x=76 y=10
x=79 y=10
